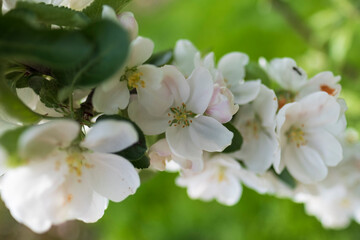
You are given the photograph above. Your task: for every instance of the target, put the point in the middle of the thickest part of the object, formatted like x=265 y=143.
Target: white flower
x=188 y=131
x=285 y=72
x=218 y=180
x=221 y=106
x=65 y=180
x=184 y=55
x=307 y=147
x=256 y=123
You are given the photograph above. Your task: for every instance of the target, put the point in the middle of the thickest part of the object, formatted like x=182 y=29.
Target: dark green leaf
x=136 y=152
x=111 y=45
x=236 y=141
x=50 y=14
x=287 y=178
x=161 y=58
x=54 y=48
x=94 y=11
x=141 y=163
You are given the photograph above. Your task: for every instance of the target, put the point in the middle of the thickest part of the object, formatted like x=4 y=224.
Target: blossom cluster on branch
x=78 y=126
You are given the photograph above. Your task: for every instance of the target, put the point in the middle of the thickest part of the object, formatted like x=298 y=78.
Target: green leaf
x=53 y=48
x=161 y=58
x=13 y=107
x=135 y=153
x=94 y=11
x=9 y=141
x=254 y=71
x=49 y=14
x=287 y=178
x=236 y=141
x=111 y=46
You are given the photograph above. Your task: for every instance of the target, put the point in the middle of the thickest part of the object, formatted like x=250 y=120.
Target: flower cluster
x=189 y=113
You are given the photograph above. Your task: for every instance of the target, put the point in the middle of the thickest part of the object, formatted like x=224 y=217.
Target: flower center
x=76 y=161
x=180 y=117
x=296 y=135
x=221 y=176
x=253 y=127
x=134 y=80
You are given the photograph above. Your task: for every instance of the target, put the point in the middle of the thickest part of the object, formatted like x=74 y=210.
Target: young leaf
x=13 y=107
x=141 y=163
x=236 y=141
x=50 y=14
x=94 y=11
x=161 y=58
x=254 y=71
x=136 y=152
x=9 y=141
x=53 y=48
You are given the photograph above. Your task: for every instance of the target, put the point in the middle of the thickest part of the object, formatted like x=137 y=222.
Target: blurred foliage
x=320 y=35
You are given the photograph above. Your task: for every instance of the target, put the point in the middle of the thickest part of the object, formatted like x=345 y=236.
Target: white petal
x=42 y=139
x=151 y=75
x=209 y=135
x=28 y=96
x=232 y=66
x=304 y=164
x=149 y=124
x=109 y=136
x=266 y=105
x=110 y=101
x=245 y=92
x=112 y=176
x=229 y=191
x=201 y=90
x=96 y=210
x=180 y=143
x=176 y=83
x=140 y=51
x=184 y=54
x=326 y=145
x=108 y=13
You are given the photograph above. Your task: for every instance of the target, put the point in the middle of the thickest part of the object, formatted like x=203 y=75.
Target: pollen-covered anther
x=75 y=163
x=297 y=136
x=328 y=90
x=180 y=116
x=134 y=80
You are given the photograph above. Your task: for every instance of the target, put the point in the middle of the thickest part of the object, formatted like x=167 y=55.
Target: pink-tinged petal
x=159 y=154
x=304 y=164
x=149 y=124
x=201 y=90
x=319 y=109
x=128 y=21
x=140 y=50
x=110 y=101
x=181 y=144
x=184 y=54
x=326 y=145
x=176 y=83
x=109 y=136
x=112 y=176
x=232 y=66
x=209 y=135
x=245 y=92
x=40 y=140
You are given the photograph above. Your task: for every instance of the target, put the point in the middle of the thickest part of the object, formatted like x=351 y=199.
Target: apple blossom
x=307 y=148
x=62 y=179
x=188 y=131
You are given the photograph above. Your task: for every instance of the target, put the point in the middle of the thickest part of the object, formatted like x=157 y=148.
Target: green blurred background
x=320 y=35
